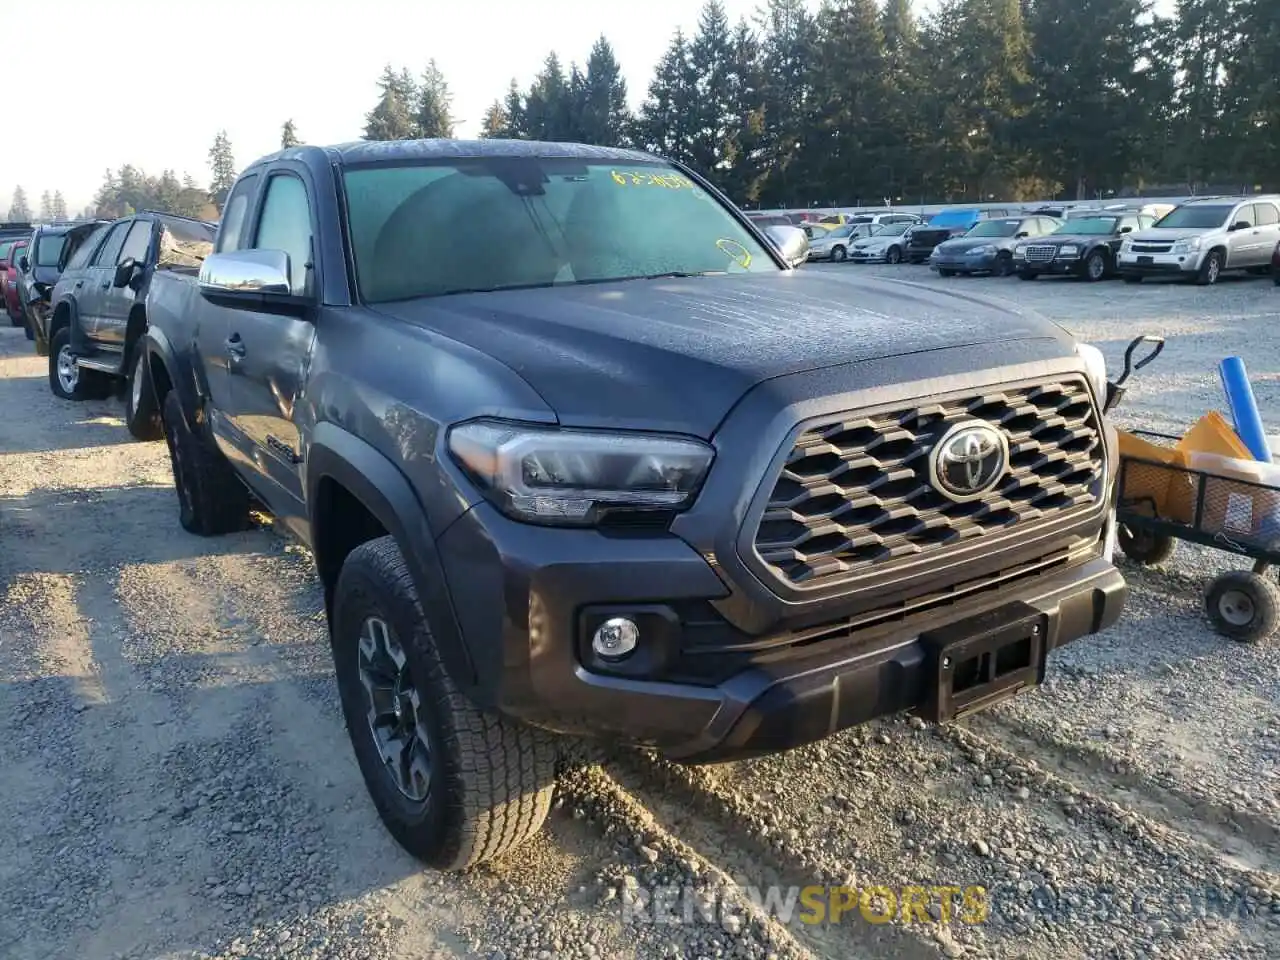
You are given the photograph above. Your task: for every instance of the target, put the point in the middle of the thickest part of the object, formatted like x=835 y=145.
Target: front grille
x=854 y=494
x=1041 y=253
x=1151 y=247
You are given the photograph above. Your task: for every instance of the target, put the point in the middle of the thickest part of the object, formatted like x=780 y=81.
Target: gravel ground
x=177 y=782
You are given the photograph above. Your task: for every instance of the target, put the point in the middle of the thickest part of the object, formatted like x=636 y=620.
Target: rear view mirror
x=1022 y=233
x=24 y=264
x=259 y=279
x=1242 y=225
x=790 y=242
x=1126 y=229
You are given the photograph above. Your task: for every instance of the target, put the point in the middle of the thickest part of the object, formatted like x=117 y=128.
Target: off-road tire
x=1211 y=270
x=89 y=384
x=211 y=498
x=492 y=778
x=1262 y=606
x=1143 y=546
x=141 y=411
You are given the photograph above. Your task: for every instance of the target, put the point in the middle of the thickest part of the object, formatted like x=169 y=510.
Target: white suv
x=1201 y=238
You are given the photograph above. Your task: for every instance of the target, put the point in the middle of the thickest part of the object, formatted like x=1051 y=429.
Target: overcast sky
x=96 y=85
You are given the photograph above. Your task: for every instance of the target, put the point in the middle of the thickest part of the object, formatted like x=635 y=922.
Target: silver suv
x=1203 y=237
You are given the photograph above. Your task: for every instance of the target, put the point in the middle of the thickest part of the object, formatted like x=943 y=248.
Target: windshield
x=1197 y=217
x=1089 y=225
x=995 y=228
x=845 y=231
x=49 y=249
x=494 y=223
x=892 y=230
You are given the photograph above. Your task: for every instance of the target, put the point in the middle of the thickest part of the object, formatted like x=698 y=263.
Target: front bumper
x=867 y=256
x=1158 y=264
x=529 y=598
x=1053 y=268
x=982 y=264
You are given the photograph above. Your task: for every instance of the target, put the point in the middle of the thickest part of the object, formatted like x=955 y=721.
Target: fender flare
x=159 y=347
x=73 y=315
x=385 y=492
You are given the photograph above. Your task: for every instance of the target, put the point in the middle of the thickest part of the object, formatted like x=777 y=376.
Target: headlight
x=1069 y=250
x=1020 y=250
x=983 y=251
x=1095 y=365
x=552 y=476
x=1187 y=246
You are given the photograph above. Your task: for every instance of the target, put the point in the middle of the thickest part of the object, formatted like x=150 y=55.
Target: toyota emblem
x=969 y=460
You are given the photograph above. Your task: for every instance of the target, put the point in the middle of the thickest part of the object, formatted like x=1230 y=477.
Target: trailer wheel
x=1145 y=547
x=1243 y=606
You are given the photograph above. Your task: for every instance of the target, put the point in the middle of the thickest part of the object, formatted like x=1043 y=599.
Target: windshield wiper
x=681 y=275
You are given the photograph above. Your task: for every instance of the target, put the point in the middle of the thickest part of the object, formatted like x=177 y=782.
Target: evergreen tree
x=668 y=118
x=494 y=124
x=434 y=100
x=513 y=109
x=547 y=106
x=744 y=164
x=906 y=84
x=289 y=135
x=603 y=116
x=19 y=209
x=711 y=60
x=46 y=206
x=788 y=37
x=59 y=206
x=1256 y=91
x=223 y=165
x=392 y=118
x=1204 y=46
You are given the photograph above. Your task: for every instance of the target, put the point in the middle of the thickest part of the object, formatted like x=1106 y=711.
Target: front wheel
x=454 y=785
x=894 y=255
x=838 y=254
x=141 y=411
x=1243 y=606
x=1211 y=269
x=66 y=379
x=1145 y=547
x=1095 y=266
x=1004 y=265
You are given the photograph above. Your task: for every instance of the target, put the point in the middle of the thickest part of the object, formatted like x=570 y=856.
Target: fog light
x=615 y=638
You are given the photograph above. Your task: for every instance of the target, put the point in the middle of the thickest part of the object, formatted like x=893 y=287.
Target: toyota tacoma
x=646 y=485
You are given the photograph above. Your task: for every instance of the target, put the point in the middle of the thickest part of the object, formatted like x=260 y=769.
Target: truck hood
x=676 y=355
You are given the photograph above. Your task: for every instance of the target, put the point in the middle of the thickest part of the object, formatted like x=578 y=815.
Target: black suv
x=648 y=485
x=1083 y=247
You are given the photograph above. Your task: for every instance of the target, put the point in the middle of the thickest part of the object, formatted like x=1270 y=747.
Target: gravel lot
x=177 y=783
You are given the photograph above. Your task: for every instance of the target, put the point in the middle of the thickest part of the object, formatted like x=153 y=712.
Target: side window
x=1131 y=223
x=136 y=243
x=108 y=252
x=86 y=249
x=285 y=224
x=1265 y=215
x=233 y=215
x=1244 y=215
x=1145 y=220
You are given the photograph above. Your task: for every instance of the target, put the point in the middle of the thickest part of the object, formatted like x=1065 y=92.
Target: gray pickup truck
x=649 y=484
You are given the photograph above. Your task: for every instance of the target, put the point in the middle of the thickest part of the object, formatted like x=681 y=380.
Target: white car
x=886 y=245
x=836 y=244
x=1201 y=238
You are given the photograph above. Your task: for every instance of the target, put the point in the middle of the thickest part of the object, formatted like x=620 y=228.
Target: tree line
x=864 y=100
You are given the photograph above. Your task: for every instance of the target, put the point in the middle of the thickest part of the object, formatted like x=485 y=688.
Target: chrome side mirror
x=790 y=242
x=263 y=272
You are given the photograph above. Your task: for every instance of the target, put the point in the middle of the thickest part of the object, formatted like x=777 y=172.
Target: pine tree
x=19 y=209
x=788 y=36
x=711 y=59
x=906 y=83
x=59 y=206
x=1255 y=93
x=604 y=118
x=223 y=165
x=513 y=109
x=46 y=206
x=434 y=100
x=667 y=122
x=494 y=124
x=289 y=135
x=392 y=118
x=547 y=106
x=743 y=163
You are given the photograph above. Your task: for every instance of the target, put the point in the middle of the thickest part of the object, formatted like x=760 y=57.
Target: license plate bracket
x=1146 y=259
x=972 y=664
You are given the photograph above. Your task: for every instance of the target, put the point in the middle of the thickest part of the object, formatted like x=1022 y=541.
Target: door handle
x=235 y=347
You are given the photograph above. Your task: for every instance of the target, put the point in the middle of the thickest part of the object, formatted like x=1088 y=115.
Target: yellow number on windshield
x=671 y=181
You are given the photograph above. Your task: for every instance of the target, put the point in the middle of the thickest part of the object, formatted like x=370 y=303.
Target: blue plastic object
x=1244 y=408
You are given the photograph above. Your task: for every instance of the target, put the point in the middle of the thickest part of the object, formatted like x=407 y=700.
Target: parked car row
x=1197 y=240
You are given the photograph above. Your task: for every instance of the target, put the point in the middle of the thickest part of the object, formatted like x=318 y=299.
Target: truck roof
x=368 y=151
